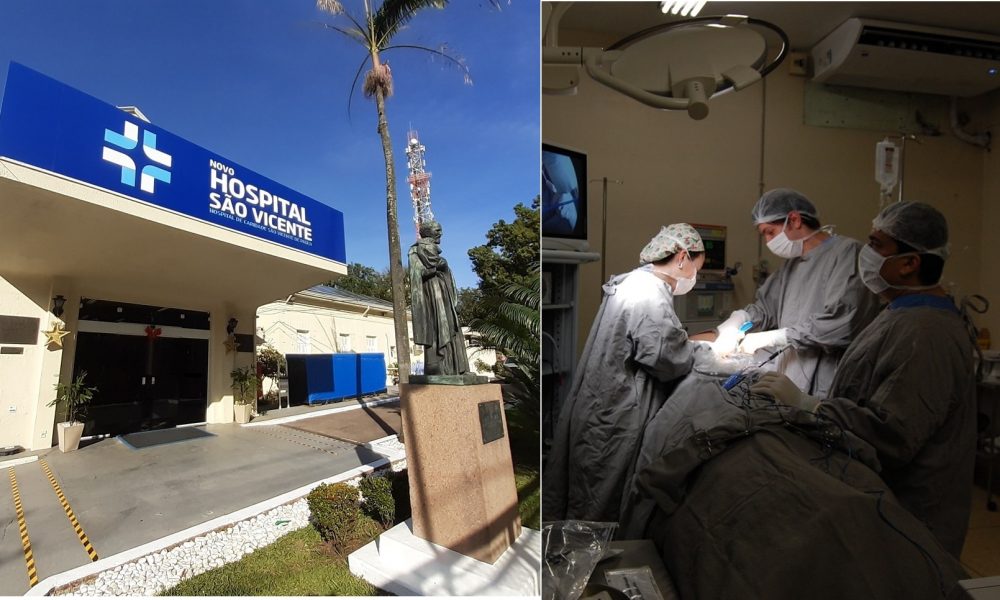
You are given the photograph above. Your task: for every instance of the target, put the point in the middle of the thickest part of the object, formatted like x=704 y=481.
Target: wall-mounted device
x=712 y=297
x=908 y=58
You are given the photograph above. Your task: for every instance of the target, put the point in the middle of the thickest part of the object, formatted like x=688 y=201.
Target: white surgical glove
x=784 y=391
x=729 y=333
x=763 y=339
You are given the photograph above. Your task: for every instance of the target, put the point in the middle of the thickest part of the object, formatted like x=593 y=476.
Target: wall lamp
x=57 y=305
x=231 y=325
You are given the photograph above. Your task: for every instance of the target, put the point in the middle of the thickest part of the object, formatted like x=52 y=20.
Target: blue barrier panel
x=320 y=378
x=311 y=379
x=345 y=375
x=372 y=372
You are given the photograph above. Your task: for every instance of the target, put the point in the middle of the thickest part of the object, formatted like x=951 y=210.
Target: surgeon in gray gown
x=634 y=356
x=906 y=384
x=815 y=301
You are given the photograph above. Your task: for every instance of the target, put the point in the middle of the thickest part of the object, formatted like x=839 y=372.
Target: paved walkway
x=356 y=426
x=123 y=498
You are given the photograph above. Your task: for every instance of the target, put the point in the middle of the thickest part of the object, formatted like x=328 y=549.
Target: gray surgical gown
x=906 y=386
x=821 y=300
x=634 y=354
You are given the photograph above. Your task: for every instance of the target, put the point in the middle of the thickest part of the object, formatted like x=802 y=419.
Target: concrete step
x=404 y=564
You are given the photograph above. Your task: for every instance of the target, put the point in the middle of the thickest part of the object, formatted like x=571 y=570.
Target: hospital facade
x=138 y=257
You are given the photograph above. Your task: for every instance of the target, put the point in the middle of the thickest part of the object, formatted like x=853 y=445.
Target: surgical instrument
x=737 y=377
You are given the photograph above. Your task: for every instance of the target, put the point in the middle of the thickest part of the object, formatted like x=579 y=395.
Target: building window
x=372 y=345
x=305 y=345
x=344 y=342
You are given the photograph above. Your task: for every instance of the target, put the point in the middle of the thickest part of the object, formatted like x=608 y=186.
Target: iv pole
x=604 y=224
x=902 y=160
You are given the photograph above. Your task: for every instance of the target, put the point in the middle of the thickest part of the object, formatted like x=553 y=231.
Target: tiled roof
x=332 y=293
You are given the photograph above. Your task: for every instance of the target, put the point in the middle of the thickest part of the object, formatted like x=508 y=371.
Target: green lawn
x=295 y=565
x=525 y=451
x=299 y=565
x=528 y=496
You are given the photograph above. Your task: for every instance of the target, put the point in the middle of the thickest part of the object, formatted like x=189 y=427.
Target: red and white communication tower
x=420 y=181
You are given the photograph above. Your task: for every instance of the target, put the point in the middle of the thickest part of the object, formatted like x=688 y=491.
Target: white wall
x=280 y=323
x=24 y=378
x=712 y=171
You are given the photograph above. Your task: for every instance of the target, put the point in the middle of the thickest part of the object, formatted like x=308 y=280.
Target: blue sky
x=264 y=84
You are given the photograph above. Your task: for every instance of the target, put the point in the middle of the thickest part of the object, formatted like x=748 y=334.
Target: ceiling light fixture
x=675 y=65
x=684 y=8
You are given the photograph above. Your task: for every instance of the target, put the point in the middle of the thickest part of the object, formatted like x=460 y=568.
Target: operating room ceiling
x=805 y=22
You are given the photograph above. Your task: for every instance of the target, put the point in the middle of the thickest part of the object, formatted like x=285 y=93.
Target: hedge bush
x=335 y=513
x=377 y=501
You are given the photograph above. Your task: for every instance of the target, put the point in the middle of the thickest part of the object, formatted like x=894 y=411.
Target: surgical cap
x=916 y=224
x=671 y=240
x=776 y=204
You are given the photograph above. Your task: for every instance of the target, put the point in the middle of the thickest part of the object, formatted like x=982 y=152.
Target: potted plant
x=244 y=391
x=74 y=396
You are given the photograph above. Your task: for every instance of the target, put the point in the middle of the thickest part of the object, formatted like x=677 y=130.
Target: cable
x=978 y=304
x=555 y=351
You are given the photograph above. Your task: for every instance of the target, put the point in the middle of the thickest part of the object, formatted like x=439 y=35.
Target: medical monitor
x=714 y=239
x=564 y=198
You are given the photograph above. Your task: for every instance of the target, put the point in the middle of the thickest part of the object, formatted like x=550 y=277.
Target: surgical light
x=683 y=8
x=676 y=65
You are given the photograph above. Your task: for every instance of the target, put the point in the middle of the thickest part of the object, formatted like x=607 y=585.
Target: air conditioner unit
x=908 y=58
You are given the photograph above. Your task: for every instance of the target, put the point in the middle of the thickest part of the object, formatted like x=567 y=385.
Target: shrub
x=367 y=530
x=377 y=501
x=272 y=363
x=334 y=512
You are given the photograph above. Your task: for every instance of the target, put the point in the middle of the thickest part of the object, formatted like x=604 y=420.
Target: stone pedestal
x=462 y=489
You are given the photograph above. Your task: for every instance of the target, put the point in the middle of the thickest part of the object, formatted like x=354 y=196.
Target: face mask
x=784 y=247
x=682 y=284
x=870 y=266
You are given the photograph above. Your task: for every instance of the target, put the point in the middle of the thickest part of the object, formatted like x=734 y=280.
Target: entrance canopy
x=57 y=228
x=99 y=197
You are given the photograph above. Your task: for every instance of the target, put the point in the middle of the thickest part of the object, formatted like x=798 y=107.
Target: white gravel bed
x=157 y=572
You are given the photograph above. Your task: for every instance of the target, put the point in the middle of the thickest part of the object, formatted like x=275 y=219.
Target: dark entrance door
x=142 y=384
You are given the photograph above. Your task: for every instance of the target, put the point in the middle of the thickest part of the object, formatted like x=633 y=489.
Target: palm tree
x=512 y=327
x=374 y=32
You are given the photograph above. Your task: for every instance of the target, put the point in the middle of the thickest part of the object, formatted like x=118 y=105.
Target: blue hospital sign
x=52 y=126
